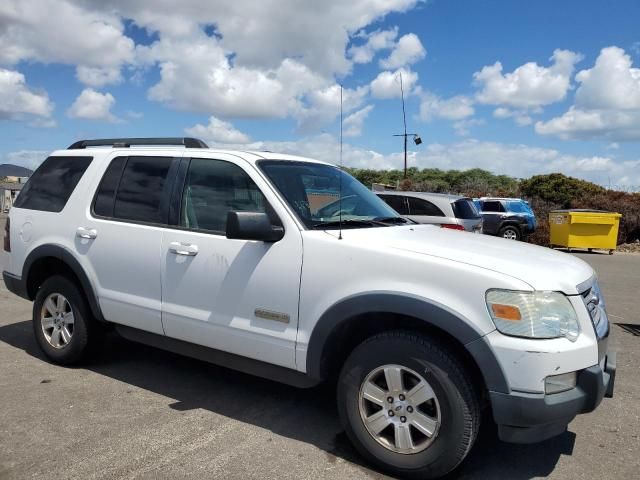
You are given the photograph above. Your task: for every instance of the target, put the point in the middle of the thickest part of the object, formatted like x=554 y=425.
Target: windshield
x=313 y=192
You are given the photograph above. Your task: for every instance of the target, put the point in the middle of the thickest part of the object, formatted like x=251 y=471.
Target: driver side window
x=212 y=189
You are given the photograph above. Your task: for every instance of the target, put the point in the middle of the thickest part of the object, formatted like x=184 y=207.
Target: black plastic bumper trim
x=529 y=418
x=15 y=284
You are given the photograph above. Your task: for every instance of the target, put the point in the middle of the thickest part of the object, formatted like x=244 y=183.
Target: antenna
x=340 y=177
x=416 y=138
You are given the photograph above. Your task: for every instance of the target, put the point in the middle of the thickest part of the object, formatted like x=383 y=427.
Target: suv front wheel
x=408 y=405
x=62 y=322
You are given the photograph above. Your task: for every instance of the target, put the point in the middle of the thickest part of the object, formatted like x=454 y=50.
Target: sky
x=517 y=88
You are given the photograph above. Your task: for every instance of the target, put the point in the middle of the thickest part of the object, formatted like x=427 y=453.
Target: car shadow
x=308 y=415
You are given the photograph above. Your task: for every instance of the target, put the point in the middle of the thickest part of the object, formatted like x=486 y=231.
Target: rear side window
x=419 y=206
x=465 y=209
x=135 y=189
x=214 y=188
x=103 y=205
x=492 y=206
x=52 y=183
x=141 y=192
x=397 y=202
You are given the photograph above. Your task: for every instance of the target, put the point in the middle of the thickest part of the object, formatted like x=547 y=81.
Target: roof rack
x=127 y=142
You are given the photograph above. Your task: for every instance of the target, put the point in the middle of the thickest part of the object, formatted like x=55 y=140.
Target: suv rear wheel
x=408 y=405
x=510 y=233
x=62 y=322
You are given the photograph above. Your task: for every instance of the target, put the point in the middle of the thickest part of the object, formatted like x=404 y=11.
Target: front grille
x=594 y=301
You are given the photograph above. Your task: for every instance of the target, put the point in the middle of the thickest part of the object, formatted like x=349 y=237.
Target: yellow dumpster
x=584 y=229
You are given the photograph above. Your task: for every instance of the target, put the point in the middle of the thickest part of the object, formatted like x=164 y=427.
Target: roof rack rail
x=127 y=142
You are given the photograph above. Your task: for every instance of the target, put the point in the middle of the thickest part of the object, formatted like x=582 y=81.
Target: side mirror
x=252 y=226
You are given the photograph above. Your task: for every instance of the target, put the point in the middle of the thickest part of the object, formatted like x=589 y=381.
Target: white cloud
x=607 y=102
x=352 y=125
x=322 y=107
x=61 y=31
x=387 y=84
x=217 y=132
x=463 y=127
x=97 y=76
x=528 y=86
x=520 y=161
x=454 y=108
x=612 y=83
x=18 y=100
x=407 y=51
x=92 y=105
x=378 y=40
x=521 y=117
x=257 y=66
x=315 y=35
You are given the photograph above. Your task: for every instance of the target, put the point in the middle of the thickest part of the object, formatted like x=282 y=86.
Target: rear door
x=238 y=296
x=120 y=239
x=492 y=213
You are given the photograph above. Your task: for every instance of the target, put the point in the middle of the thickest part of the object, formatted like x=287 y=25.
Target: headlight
x=533 y=314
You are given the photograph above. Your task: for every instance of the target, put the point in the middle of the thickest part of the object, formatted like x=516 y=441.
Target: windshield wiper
x=351 y=222
x=391 y=220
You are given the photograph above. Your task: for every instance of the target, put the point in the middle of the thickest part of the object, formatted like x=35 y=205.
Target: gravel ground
x=137 y=412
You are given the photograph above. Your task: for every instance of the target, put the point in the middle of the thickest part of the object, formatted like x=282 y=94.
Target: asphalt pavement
x=137 y=412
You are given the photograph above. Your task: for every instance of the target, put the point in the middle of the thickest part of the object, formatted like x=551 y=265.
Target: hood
x=540 y=267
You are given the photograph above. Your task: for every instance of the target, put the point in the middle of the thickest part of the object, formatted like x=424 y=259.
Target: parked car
x=224 y=257
x=448 y=211
x=510 y=218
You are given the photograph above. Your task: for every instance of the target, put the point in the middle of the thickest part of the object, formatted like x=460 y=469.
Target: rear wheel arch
x=348 y=323
x=48 y=260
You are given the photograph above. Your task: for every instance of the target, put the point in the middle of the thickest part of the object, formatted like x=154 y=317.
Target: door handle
x=187 y=249
x=88 y=233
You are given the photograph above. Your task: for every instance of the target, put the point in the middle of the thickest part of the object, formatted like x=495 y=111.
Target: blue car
x=510 y=218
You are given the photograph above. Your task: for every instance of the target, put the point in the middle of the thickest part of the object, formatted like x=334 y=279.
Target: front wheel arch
x=346 y=324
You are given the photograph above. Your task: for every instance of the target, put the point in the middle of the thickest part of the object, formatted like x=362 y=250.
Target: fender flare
x=62 y=254
x=430 y=313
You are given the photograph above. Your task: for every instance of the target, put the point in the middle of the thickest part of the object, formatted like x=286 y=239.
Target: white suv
x=223 y=256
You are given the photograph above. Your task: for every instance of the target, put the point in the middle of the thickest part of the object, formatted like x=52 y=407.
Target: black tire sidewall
x=75 y=350
x=448 y=448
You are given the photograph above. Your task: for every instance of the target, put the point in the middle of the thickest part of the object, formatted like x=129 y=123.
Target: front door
x=238 y=296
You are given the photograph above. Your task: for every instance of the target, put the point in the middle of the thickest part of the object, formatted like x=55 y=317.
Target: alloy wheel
x=399 y=409
x=57 y=320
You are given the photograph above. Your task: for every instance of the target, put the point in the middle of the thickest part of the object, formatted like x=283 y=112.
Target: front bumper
x=531 y=418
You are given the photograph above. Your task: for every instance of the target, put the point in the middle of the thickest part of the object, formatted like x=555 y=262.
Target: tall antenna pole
x=416 y=138
x=340 y=181
x=404 y=120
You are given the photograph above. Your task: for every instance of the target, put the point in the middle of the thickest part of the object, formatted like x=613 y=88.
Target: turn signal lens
x=506 y=312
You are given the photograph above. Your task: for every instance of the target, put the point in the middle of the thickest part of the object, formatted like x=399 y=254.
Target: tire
x=455 y=404
x=510 y=232
x=65 y=339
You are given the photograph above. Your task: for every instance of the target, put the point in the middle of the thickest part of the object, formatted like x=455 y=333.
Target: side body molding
x=432 y=314
x=65 y=256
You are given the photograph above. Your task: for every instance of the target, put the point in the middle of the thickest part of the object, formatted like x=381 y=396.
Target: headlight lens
x=533 y=314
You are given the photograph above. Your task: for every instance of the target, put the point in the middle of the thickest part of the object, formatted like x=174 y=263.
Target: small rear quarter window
x=52 y=183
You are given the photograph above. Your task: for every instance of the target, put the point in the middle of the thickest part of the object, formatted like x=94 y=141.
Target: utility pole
x=416 y=137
